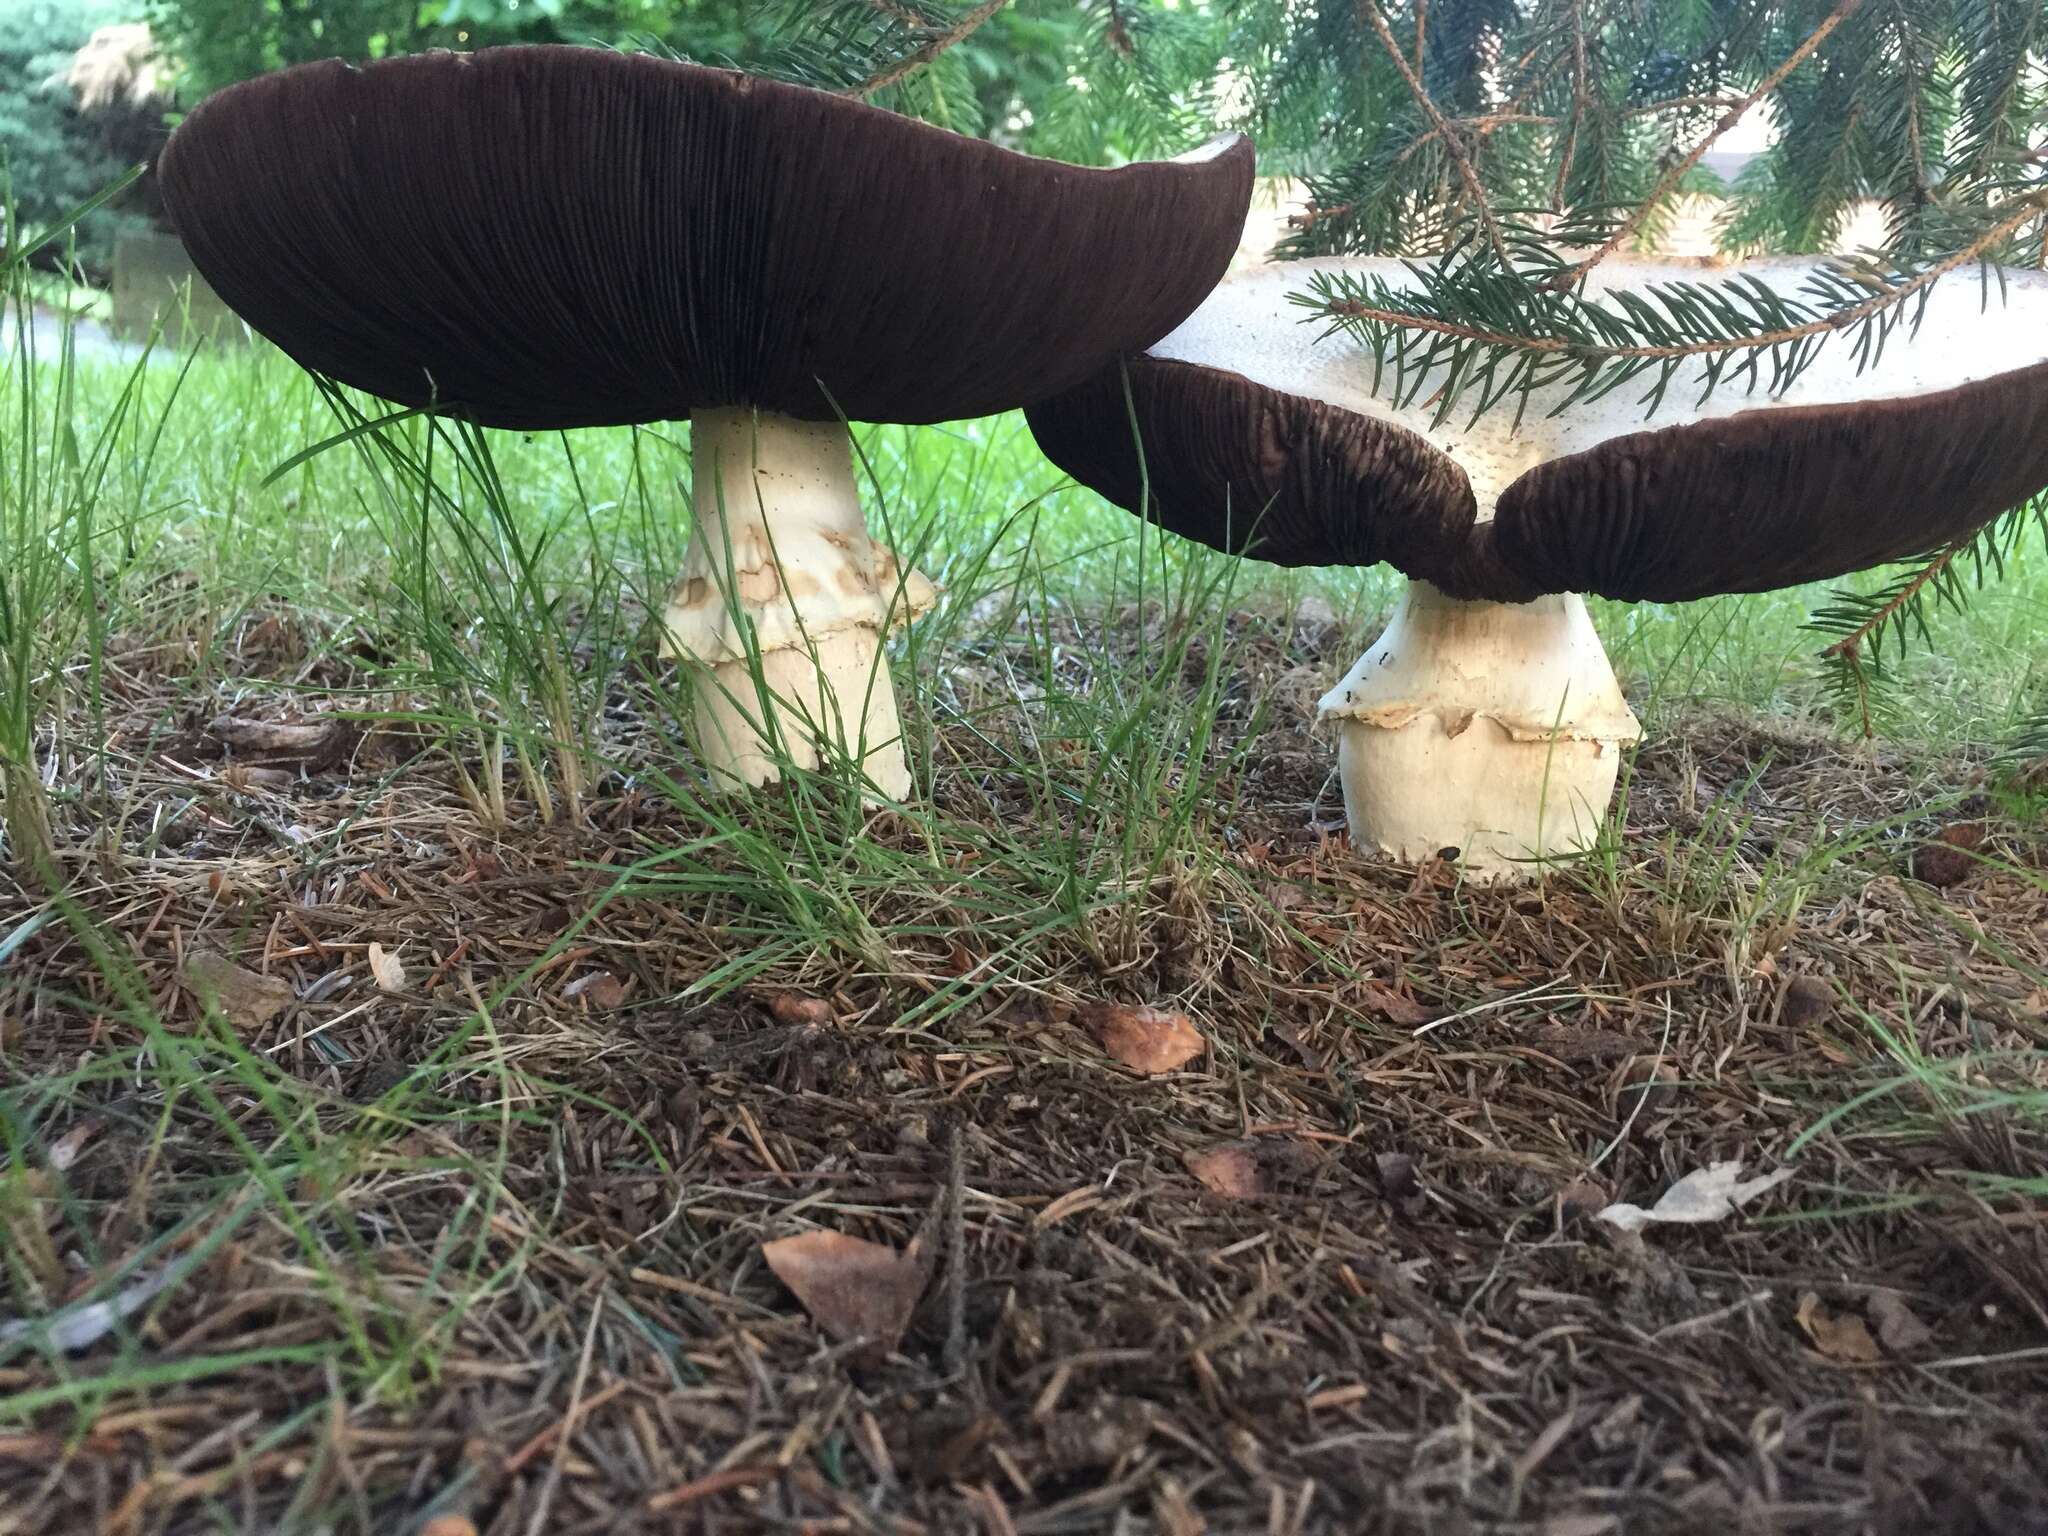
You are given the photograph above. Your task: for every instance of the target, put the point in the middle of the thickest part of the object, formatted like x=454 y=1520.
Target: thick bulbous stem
x=1495 y=729
x=783 y=604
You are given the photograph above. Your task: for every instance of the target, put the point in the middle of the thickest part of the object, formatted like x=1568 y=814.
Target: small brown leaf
x=385 y=969
x=852 y=1288
x=1291 y=1032
x=248 y=1001
x=1897 y=1328
x=1808 y=1000
x=1149 y=1040
x=1838 y=1336
x=66 y=1149
x=1565 y=1043
x=276 y=738
x=1947 y=858
x=796 y=1010
x=449 y=1525
x=1583 y=1197
x=245 y=778
x=1393 y=1007
x=601 y=989
x=1399 y=1184
x=1231 y=1170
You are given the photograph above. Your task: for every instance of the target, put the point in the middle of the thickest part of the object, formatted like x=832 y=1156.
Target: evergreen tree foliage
x=1508 y=149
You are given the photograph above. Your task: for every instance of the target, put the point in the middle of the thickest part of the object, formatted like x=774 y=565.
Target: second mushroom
x=1486 y=719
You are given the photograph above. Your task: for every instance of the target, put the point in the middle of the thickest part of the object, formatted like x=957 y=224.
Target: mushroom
x=554 y=237
x=1486 y=719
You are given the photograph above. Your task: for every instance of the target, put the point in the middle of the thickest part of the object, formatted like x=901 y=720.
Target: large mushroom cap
x=548 y=237
x=1262 y=434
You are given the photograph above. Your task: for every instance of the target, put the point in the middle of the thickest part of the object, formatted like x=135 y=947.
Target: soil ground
x=461 y=1226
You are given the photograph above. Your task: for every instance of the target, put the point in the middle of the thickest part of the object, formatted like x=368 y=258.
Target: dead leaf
x=1707 y=1194
x=84 y=1324
x=449 y=1525
x=1839 y=1336
x=796 y=1010
x=1398 y=1183
x=65 y=1150
x=601 y=989
x=276 y=738
x=246 y=778
x=1808 y=1000
x=248 y=1001
x=1393 y=1007
x=1291 y=1032
x=1582 y=1197
x=385 y=969
x=853 y=1289
x=1897 y=1328
x=1948 y=858
x=1231 y=1170
x=1149 y=1040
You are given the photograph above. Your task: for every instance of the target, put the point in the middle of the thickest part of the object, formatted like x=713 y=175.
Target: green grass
x=602 y=516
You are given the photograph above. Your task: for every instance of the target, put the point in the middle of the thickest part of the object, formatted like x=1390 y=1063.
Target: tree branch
x=1579 y=105
x=1848 y=651
x=1571 y=275
x=1481 y=208
x=911 y=63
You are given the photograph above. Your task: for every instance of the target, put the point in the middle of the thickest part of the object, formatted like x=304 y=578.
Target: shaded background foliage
x=1101 y=80
x=55 y=156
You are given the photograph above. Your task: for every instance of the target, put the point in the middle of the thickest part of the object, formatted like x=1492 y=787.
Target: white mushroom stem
x=783 y=604
x=1492 y=728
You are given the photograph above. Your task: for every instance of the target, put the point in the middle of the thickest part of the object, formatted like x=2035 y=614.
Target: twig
x=1579 y=104
x=911 y=63
x=1479 y=126
x=553 y=1480
x=1452 y=145
x=1571 y=275
x=1718 y=1315
x=709 y=1485
x=954 y=1357
x=568 y=1421
x=1851 y=644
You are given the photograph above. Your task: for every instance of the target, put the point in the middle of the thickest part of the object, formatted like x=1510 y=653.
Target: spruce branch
x=1475 y=191
x=1843 y=10
x=1581 y=103
x=1509 y=329
x=1865 y=625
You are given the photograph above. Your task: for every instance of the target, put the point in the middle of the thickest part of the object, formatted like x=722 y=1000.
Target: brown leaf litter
x=1385 y=1306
